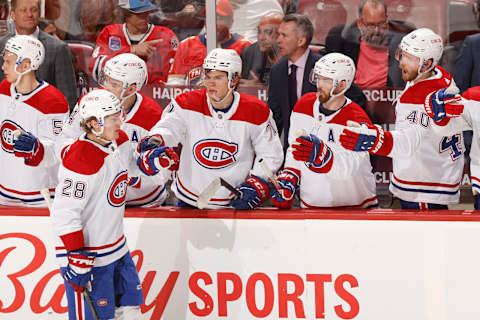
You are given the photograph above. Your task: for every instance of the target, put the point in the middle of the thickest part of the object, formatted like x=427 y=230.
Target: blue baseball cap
x=137 y=6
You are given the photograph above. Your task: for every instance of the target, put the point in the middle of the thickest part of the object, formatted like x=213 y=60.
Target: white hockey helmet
x=127 y=68
x=99 y=103
x=226 y=60
x=26 y=47
x=337 y=67
x=424 y=44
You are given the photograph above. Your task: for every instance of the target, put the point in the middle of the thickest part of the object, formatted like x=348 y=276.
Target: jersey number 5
x=452 y=144
x=78 y=188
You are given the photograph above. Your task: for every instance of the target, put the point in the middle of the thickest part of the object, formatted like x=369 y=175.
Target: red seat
x=81 y=51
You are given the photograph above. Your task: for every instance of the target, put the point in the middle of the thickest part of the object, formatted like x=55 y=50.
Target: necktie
x=292 y=86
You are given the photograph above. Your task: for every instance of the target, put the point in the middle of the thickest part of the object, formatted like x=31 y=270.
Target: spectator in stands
x=467 y=66
x=372 y=44
x=96 y=15
x=247 y=15
x=57 y=69
x=292 y=76
x=258 y=58
x=156 y=45
x=187 y=67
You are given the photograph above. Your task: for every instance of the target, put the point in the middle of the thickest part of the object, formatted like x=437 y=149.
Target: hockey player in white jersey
x=223 y=134
x=88 y=211
x=124 y=75
x=316 y=158
x=428 y=155
x=35 y=110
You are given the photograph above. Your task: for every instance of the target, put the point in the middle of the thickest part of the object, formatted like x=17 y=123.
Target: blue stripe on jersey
x=474 y=185
x=61 y=255
x=24 y=200
x=423 y=191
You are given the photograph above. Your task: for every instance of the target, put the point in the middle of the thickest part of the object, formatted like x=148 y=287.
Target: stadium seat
x=81 y=52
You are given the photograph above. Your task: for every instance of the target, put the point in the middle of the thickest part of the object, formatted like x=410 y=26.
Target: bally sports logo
x=118 y=190
x=7 y=129
x=215 y=153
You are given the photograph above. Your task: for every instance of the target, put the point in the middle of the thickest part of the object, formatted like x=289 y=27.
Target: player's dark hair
x=84 y=124
x=303 y=24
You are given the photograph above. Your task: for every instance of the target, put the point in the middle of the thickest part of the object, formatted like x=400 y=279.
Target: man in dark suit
x=467 y=66
x=371 y=41
x=57 y=68
x=292 y=76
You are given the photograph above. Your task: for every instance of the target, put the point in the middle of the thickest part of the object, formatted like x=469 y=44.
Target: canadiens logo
x=102 y=302
x=215 y=153
x=118 y=190
x=7 y=129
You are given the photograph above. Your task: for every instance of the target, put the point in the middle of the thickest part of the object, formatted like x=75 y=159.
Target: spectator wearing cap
x=156 y=45
x=258 y=58
x=57 y=68
x=192 y=51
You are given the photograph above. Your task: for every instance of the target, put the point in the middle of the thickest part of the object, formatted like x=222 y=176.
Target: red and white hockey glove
x=253 y=191
x=314 y=152
x=150 y=142
x=151 y=161
x=79 y=269
x=288 y=181
x=27 y=146
x=366 y=137
x=444 y=103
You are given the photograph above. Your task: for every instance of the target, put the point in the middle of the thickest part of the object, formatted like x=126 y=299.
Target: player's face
x=138 y=22
x=111 y=126
x=409 y=65
x=288 y=40
x=267 y=35
x=8 y=67
x=324 y=87
x=26 y=16
x=114 y=86
x=217 y=84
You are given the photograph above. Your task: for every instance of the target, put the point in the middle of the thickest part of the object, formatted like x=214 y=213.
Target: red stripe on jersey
x=472 y=94
x=196 y=196
x=23 y=193
x=84 y=158
x=194 y=101
x=431 y=184
x=372 y=199
x=147 y=115
x=475 y=178
x=122 y=138
x=416 y=94
x=251 y=110
x=96 y=248
x=147 y=196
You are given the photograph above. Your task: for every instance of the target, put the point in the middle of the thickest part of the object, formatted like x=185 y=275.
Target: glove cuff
x=37 y=157
x=260 y=185
x=73 y=241
x=384 y=143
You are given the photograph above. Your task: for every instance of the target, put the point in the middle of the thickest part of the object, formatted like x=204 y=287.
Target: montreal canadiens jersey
x=428 y=158
x=114 y=39
x=471 y=113
x=350 y=181
x=89 y=201
x=144 y=114
x=193 y=50
x=217 y=144
x=42 y=113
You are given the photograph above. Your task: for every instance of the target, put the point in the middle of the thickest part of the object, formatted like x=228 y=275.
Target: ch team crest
x=215 y=153
x=6 y=130
x=118 y=190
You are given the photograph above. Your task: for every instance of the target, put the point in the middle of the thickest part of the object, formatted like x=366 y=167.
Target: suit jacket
x=467 y=66
x=253 y=59
x=346 y=40
x=278 y=92
x=56 y=69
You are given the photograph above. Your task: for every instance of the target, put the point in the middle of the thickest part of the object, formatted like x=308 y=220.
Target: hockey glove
x=253 y=191
x=288 y=182
x=150 y=142
x=366 y=137
x=79 y=269
x=314 y=152
x=444 y=103
x=29 y=147
x=152 y=160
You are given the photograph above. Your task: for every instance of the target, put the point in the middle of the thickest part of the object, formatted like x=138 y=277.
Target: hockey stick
x=208 y=193
x=268 y=172
x=46 y=195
